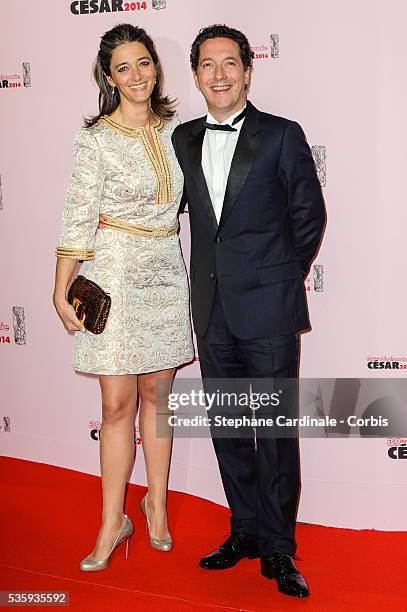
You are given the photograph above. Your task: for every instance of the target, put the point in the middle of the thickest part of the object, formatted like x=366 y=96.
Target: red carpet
x=50 y=519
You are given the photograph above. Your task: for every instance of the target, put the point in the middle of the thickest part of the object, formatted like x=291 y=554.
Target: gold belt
x=156 y=232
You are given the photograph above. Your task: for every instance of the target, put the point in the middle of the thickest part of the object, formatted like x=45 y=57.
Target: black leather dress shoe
x=236 y=547
x=280 y=566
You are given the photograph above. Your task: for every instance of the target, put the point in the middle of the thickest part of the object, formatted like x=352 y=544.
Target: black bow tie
x=226 y=127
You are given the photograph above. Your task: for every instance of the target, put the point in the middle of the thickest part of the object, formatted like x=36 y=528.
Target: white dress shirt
x=217 y=153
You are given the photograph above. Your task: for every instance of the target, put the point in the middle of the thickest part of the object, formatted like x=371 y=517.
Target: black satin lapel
x=199 y=179
x=245 y=152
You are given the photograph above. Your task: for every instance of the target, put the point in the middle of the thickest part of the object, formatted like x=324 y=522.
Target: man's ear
x=196 y=80
x=248 y=77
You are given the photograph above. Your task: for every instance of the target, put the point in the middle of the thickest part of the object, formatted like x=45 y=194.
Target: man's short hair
x=222 y=31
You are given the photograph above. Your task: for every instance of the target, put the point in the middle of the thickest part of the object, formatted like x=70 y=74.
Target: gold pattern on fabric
x=148 y=328
x=80 y=254
x=155 y=232
x=158 y=161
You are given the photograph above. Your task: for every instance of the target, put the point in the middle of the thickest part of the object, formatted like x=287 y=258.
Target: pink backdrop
x=338 y=68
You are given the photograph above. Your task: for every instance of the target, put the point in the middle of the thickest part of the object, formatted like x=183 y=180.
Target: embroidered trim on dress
x=158 y=162
x=149 y=232
x=80 y=254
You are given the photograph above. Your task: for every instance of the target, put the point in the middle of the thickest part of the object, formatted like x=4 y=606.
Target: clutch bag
x=91 y=304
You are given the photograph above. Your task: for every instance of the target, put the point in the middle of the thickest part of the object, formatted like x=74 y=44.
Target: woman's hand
x=65 y=270
x=67 y=315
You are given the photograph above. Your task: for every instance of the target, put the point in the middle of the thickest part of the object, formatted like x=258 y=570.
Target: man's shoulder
x=189 y=126
x=268 y=120
x=280 y=127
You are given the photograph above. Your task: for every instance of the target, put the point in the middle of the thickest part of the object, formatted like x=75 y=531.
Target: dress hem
x=124 y=373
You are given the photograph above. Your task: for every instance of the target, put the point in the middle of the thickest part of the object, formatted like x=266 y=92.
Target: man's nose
x=220 y=73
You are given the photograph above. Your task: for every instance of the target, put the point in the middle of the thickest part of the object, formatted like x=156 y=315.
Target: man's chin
x=222 y=105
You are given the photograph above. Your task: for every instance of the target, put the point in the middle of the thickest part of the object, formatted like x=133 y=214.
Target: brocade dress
x=136 y=257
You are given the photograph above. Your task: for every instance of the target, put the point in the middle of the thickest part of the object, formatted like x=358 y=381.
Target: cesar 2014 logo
x=385 y=362
x=20 y=337
x=397 y=448
x=316 y=283
x=271 y=51
x=15 y=80
x=95 y=427
x=92 y=7
x=6 y=424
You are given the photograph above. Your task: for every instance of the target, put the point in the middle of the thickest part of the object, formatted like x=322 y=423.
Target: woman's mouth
x=139 y=87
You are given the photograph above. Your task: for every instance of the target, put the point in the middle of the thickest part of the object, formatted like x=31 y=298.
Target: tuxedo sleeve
x=183 y=202
x=305 y=201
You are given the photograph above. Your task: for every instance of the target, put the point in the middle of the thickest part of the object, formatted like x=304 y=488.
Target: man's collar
x=251 y=123
x=228 y=121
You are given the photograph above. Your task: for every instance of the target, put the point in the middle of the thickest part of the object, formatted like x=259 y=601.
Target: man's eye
x=206 y=65
x=231 y=63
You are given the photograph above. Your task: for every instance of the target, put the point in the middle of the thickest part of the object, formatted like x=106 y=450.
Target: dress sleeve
x=81 y=213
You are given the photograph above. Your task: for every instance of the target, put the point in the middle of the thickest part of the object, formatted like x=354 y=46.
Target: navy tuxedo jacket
x=271 y=225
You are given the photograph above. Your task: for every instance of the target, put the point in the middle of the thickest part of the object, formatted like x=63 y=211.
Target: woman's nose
x=136 y=74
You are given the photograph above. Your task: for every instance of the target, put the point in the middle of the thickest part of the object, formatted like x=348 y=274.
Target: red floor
x=49 y=521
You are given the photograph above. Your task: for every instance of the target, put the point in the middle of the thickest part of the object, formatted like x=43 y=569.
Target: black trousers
x=260 y=476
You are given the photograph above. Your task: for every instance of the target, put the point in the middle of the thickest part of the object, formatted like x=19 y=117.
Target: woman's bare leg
x=157 y=450
x=119 y=404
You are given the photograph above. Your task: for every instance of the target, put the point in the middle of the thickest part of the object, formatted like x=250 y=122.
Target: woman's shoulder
x=171 y=124
x=89 y=136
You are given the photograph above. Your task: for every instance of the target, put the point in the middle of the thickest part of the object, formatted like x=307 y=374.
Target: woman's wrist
x=59 y=298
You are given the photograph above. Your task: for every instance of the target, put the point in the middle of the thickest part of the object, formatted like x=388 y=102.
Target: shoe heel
x=162 y=545
x=90 y=565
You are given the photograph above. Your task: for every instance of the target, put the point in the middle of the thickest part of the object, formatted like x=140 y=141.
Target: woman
x=126 y=172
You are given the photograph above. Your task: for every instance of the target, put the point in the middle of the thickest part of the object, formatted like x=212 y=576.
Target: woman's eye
x=122 y=69
x=146 y=63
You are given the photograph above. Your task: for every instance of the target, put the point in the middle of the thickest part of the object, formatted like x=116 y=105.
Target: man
x=257 y=216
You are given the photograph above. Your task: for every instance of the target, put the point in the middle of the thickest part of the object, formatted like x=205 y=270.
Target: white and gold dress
x=136 y=257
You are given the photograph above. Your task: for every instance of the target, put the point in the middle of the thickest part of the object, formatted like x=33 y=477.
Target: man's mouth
x=220 y=88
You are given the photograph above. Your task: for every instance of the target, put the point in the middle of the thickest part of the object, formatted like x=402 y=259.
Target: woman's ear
x=110 y=81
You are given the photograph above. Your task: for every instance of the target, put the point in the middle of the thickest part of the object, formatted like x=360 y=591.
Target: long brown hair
x=108 y=101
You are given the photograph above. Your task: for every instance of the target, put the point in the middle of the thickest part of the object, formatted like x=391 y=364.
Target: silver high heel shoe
x=126 y=531
x=165 y=545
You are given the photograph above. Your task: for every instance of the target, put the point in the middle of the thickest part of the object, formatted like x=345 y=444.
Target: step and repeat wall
x=337 y=68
